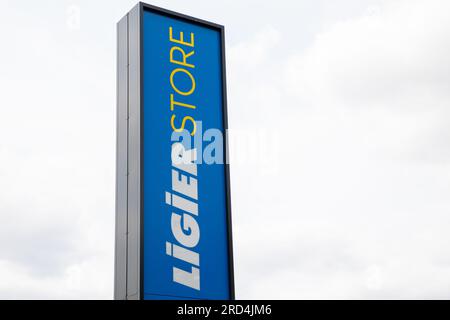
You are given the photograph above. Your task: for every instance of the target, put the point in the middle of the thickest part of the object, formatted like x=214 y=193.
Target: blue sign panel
x=185 y=226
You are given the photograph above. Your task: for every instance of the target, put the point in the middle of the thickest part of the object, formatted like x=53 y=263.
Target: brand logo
x=184 y=196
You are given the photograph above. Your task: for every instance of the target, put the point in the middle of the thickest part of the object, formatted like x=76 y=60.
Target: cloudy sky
x=343 y=192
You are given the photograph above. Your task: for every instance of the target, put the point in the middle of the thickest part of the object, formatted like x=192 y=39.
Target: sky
x=339 y=115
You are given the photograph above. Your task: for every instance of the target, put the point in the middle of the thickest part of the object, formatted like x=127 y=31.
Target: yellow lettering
x=184 y=93
x=174 y=103
x=183 y=123
x=184 y=56
x=181 y=39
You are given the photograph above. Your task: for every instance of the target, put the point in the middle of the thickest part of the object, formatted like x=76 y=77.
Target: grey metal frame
x=128 y=269
x=128 y=166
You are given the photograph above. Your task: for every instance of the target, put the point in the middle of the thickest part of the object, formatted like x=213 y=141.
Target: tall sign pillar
x=173 y=208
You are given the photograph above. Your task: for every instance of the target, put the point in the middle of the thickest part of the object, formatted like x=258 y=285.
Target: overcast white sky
x=344 y=194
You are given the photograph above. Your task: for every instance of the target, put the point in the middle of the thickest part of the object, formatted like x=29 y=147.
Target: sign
x=171 y=91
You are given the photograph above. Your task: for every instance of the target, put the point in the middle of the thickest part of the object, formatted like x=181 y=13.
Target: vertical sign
x=173 y=220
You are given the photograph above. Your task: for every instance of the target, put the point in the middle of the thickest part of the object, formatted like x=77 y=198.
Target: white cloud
x=397 y=53
x=352 y=202
x=57 y=162
x=77 y=281
x=359 y=207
